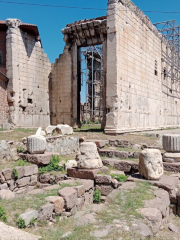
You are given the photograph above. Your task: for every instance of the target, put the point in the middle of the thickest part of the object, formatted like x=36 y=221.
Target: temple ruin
x=135 y=86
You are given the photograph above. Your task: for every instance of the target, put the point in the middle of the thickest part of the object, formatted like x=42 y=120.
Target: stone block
x=50 y=130
x=80 y=203
x=7 y=173
x=2 y=178
x=58 y=203
x=99 y=143
x=38 y=159
x=64 y=129
x=4 y=186
x=23 y=182
x=168 y=183
x=6 y=194
x=28 y=216
x=171 y=142
x=161 y=201
x=45 y=212
x=80 y=190
x=73 y=210
x=88 y=184
x=83 y=173
x=88 y=157
x=44 y=178
x=106 y=179
x=12 y=184
x=171 y=157
x=71 y=163
x=69 y=195
x=36 y=144
x=104 y=189
x=113 y=153
x=30 y=170
x=172 y=167
x=33 y=180
x=59 y=177
x=88 y=198
x=6 y=126
x=153 y=215
x=150 y=164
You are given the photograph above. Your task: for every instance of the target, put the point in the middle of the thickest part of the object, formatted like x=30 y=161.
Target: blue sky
x=50 y=21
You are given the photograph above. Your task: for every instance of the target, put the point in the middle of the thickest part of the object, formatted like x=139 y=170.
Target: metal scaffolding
x=91 y=75
x=170 y=31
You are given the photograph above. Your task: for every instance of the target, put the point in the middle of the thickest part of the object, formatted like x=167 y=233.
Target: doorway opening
x=91 y=72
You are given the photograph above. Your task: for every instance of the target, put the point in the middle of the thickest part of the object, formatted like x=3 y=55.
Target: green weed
x=20 y=149
x=53 y=165
x=3 y=216
x=15 y=173
x=97 y=196
x=119 y=177
x=21 y=223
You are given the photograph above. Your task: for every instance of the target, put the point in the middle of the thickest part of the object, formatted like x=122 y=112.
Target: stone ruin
x=91 y=173
x=37 y=93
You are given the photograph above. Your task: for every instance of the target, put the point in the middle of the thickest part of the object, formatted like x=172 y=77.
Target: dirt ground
x=114 y=215
x=91 y=132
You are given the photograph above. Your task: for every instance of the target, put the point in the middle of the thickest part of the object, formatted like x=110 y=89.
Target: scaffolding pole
x=91 y=75
x=170 y=32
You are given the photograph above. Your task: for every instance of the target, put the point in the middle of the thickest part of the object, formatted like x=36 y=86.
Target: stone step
x=38 y=159
x=85 y=173
x=122 y=165
x=120 y=154
x=166 y=182
x=132 y=166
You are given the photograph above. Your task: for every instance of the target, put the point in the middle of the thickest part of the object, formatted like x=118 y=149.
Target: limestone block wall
x=60 y=89
x=26 y=179
x=28 y=69
x=137 y=96
x=62 y=144
x=3 y=49
x=4 y=108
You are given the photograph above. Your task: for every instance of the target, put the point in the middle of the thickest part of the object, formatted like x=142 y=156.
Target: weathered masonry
x=138 y=94
x=138 y=82
x=3 y=99
x=25 y=64
x=66 y=77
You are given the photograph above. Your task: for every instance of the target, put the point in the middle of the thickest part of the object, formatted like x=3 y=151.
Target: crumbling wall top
x=86 y=32
x=133 y=8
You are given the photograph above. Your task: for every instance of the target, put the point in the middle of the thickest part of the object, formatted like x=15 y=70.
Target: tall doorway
x=91 y=75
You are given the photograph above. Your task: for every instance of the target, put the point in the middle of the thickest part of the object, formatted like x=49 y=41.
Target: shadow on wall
x=52 y=115
x=28 y=43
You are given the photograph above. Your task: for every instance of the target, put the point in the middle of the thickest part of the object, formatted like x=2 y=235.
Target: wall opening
x=30 y=100
x=90 y=75
x=155 y=70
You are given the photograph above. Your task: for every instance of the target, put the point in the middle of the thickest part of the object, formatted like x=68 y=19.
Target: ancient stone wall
x=26 y=178
x=27 y=69
x=65 y=79
x=62 y=144
x=4 y=108
x=137 y=98
x=60 y=89
x=3 y=50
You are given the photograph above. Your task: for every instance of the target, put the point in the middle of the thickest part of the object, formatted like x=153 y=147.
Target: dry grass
x=17 y=134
